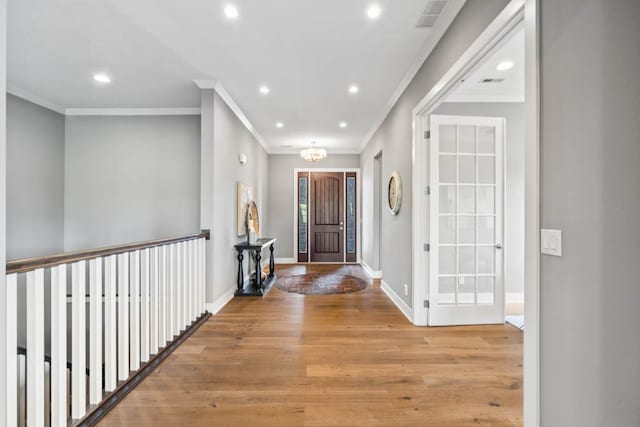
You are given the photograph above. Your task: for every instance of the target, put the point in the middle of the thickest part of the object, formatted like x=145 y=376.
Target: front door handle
x=498 y=246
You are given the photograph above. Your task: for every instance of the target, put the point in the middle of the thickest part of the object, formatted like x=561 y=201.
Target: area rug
x=321 y=284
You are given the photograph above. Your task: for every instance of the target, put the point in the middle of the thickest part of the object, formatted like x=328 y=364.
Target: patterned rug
x=321 y=284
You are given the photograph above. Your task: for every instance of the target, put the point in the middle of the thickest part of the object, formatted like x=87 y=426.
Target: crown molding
x=132 y=111
x=35 y=99
x=233 y=106
x=442 y=24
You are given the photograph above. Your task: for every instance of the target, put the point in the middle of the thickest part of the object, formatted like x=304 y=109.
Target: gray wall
x=590 y=176
x=281 y=168
x=35 y=180
x=231 y=138
x=130 y=179
x=394 y=137
x=513 y=113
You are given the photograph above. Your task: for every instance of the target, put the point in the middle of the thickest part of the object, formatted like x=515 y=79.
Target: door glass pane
x=447 y=263
x=302 y=220
x=486 y=259
x=486 y=140
x=486 y=229
x=486 y=290
x=447 y=138
x=486 y=200
x=467 y=200
x=467 y=169
x=351 y=215
x=466 y=229
x=447 y=168
x=467 y=135
x=448 y=229
x=466 y=290
x=447 y=199
x=486 y=170
x=466 y=260
x=447 y=290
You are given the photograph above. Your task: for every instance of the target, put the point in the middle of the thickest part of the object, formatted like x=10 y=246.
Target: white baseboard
x=514 y=298
x=402 y=306
x=216 y=306
x=374 y=274
x=285 y=260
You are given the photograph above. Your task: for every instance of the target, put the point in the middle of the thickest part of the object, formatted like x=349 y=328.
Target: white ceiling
x=307 y=51
x=509 y=90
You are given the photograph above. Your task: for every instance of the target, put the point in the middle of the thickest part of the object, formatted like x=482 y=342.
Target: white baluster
x=144 y=305
x=153 y=290
x=95 y=330
x=123 y=317
x=10 y=321
x=35 y=347
x=110 y=332
x=162 y=301
x=59 y=346
x=22 y=391
x=179 y=289
x=47 y=394
x=203 y=275
x=185 y=285
x=192 y=282
x=190 y=277
x=134 y=311
x=78 y=341
x=171 y=277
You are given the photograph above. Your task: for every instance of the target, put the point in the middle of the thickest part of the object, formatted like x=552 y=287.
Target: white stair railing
x=150 y=293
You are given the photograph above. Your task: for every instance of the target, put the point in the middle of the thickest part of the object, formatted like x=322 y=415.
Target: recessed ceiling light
x=354 y=89
x=279 y=125
x=231 y=11
x=101 y=78
x=505 y=65
x=373 y=12
x=264 y=90
x=343 y=124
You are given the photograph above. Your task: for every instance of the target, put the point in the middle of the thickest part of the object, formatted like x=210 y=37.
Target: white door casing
x=466 y=283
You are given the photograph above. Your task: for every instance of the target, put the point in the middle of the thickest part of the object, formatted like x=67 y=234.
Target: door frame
x=358 y=211
x=517 y=14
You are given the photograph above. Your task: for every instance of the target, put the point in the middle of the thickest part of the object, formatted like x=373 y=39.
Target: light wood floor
x=337 y=360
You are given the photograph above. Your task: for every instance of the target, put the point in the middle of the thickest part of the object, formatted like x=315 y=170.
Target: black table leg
x=272 y=263
x=240 y=270
x=258 y=270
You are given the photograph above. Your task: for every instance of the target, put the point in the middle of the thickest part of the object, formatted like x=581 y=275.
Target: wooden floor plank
x=331 y=360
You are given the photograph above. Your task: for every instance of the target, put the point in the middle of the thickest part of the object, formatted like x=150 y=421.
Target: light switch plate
x=551 y=242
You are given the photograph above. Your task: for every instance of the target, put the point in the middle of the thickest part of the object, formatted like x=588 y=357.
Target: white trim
x=218 y=304
x=514 y=298
x=531 y=385
x=358 y=209
x=132 y=111
x=285 y=261
x=402 y=306
x=34 y=99
x=231 y=103
x=442 y=24
x=484 y=98
x=374 y=274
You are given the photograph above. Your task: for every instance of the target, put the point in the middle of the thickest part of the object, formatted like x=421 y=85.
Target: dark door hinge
x=427 y=247
x=427 y=134
x=426 y=303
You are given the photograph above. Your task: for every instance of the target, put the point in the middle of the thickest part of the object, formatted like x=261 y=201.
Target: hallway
x=331 y=360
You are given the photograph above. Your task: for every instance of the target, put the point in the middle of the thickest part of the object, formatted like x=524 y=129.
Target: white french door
x=466 y=283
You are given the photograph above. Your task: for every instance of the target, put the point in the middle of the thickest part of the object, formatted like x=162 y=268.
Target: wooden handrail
x=28 y=264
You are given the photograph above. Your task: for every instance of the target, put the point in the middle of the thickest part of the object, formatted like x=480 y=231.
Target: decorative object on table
x=321 y=284
x=394 y=193
x=258 y=285
x=313 y=154
x=244 y=196
x=252 y=222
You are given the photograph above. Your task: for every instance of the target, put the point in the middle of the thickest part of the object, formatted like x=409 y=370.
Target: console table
x=256 y=286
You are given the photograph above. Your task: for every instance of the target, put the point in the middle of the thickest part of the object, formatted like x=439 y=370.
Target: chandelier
x=313 y=154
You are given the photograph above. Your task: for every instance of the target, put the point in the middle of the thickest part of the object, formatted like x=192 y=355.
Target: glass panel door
x=466 y=220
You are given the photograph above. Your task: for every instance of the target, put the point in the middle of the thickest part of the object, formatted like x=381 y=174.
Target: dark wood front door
x=326 y=216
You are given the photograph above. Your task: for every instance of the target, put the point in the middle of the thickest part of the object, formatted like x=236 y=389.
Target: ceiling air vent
x=491 y=80
x=431 y=13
